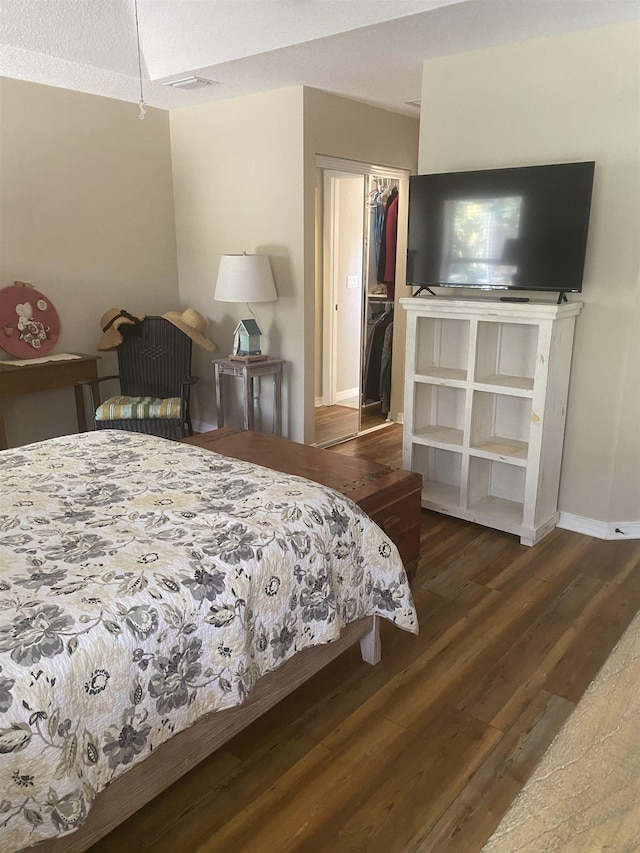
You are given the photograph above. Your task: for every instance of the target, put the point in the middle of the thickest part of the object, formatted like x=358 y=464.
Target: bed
x=154 y=598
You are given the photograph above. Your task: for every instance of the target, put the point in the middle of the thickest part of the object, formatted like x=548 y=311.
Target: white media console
x=485 y=399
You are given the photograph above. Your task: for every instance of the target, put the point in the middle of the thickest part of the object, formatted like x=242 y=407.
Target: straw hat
x=193 y=324
x=110 y=323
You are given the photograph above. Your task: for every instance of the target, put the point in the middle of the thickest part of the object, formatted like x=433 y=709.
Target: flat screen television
x=521 y=228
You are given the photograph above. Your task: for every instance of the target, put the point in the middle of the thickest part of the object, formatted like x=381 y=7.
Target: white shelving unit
x=486 y=386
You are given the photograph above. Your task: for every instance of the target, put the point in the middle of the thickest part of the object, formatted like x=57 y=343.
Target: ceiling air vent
x=190 y=83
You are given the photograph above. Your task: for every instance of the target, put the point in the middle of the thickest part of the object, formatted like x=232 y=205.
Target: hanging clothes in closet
x=377 y=199
x=377 y=371
x=388 y=245
x=385 y=370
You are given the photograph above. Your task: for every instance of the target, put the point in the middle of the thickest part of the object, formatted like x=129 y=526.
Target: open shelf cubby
x=496 y=489
x=500 y=425
x=441 y=474
x=439 y=413
x=486 y=385
x=442 y=349
x=506 y=354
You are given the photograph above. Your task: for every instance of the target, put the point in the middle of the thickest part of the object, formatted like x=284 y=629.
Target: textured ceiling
x=370 y=50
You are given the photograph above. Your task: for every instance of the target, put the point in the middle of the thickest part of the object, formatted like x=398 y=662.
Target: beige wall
x=237 y=169
x=86 y=216
x=338 y=127
x=566 y=98
x=245 y=180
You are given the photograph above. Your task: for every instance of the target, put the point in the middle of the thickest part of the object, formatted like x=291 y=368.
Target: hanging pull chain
x=141 y=103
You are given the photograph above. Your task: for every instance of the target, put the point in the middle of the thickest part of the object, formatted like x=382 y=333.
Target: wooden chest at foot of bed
x=390 y=498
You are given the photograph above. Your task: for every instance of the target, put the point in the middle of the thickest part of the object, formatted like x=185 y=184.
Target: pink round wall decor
x=29 y=324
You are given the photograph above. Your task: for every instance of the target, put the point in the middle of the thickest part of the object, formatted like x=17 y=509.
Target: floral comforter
x=144 y=583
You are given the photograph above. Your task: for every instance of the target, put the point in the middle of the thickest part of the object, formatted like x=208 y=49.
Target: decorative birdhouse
x=247 y=338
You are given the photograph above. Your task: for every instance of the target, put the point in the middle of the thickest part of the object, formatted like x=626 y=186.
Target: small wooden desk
x=46 y=376
x=249 y=371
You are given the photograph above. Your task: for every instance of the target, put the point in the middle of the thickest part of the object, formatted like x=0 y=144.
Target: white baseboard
x=340 y=396
x=600 y=529
x=347 y=394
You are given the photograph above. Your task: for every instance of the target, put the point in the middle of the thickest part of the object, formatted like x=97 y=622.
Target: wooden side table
x=249 y=371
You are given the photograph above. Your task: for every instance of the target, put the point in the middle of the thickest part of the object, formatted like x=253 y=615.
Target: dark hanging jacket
x=391 y=237
x=373 y=361
x=384 y=242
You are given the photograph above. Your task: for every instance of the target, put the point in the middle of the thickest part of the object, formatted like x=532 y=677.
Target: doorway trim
x=337 y=164
x=332 y=230
x=339 y=167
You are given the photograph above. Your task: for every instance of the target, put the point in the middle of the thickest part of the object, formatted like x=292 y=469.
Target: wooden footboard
x=173 y=759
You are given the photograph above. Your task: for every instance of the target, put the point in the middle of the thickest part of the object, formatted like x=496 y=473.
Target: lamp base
x=248 y=358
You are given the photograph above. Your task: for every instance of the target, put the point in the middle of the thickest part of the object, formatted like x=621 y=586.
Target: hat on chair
x=110 y=322
x=193 y=324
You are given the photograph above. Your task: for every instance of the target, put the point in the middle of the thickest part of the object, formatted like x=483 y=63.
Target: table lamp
x=246 y=278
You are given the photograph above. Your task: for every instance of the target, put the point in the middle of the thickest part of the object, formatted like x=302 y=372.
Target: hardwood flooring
x=335 y=423
x=424 y=752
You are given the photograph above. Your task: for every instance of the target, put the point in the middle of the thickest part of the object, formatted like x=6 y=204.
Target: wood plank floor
x=424 y=752
x=335 y=423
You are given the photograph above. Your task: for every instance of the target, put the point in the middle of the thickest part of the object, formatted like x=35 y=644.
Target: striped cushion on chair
x=136 y=408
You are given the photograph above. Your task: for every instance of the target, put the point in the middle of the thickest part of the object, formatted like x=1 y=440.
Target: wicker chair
x=154 y=362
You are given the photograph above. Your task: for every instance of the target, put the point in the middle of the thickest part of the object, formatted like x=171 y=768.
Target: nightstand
x=250 y=371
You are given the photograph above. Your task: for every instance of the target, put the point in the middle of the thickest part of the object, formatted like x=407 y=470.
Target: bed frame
x=177 y=756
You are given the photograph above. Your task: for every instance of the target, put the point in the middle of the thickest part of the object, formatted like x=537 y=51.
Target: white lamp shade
x=245 y=278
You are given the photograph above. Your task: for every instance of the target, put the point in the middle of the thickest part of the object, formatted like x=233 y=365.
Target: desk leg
x=219 y=396
x=80 y=411
x=247 y=383
x=277 y=401
x=3 y=433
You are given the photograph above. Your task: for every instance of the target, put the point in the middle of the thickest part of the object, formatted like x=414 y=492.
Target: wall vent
x=190 y=83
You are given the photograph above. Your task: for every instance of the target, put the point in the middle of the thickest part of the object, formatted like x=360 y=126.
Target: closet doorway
x=354 y=305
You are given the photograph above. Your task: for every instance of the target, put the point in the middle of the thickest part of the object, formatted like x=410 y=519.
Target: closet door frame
x=333 y=168
x=331 y=243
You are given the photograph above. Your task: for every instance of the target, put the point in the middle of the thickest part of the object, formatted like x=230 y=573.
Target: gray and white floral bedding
x=144 y=583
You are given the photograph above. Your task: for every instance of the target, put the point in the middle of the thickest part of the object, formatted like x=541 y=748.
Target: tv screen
x=521 y=228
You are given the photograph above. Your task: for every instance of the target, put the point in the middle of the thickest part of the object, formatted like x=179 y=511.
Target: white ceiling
x=369 y=50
